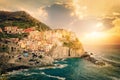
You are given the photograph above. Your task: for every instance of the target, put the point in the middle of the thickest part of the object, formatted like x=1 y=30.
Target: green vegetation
x=20 y=36
x=24 y=25
x=70 y=43
x=73 y=44
x=20 y=19
x=21 y=24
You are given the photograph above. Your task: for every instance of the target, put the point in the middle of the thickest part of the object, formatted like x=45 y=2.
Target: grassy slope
x=21 y=19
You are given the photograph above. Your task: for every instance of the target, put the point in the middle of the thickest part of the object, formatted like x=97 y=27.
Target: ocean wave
x=57 y=77
x=56 y=61
x=62 y=60
x=21 y=72
x=26 y=69
x=14 y=72
x=111 y=61
x=17 y=71
x=60 y=65
x=115 y=78
x=98 y=66
x=54 y=67
x=29 y=74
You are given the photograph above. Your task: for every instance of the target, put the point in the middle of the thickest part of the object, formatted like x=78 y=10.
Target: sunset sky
x=93 y=21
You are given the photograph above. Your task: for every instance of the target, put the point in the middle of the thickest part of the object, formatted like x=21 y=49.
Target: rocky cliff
x=65 y=52
x=26 y=42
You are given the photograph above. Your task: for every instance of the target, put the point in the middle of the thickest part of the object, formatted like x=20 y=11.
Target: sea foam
x=57 y=77
x=54 y=67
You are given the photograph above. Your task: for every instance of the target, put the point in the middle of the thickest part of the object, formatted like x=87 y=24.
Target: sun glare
x=99 y=24
x=94 y=35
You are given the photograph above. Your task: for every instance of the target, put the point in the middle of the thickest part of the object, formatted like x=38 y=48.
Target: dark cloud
x=108 y=23
x=59 y=15
x=115 y=8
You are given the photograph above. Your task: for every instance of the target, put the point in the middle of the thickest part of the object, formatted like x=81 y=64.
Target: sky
x=93 y=21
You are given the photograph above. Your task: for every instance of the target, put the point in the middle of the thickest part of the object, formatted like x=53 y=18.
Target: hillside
x=25 y=42
x=21 y=19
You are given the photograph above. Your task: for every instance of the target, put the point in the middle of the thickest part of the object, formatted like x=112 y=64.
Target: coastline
x=22 y=67
x=15 y=67
x=93 y=60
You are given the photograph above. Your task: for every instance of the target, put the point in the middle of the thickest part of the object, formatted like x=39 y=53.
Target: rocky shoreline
x=11 y=67
x=93 y=60
x=15 y=67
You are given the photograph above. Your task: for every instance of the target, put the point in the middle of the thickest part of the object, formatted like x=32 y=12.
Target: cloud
x=59 y=15
x=95 y=8
x=112 y=34
x=34 y=7
x=116 y=29
x=43 y=12
x=80 y=16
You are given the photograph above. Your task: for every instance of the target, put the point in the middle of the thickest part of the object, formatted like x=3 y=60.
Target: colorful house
x=1 y=30
x=28 y=30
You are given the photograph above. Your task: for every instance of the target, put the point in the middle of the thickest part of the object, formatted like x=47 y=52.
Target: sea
x=77 y=68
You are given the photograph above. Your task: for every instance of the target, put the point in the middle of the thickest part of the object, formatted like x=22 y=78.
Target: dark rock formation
x=92 y=59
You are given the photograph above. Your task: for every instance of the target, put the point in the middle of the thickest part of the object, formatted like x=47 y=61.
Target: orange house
x=1 y=30
x=28 y=30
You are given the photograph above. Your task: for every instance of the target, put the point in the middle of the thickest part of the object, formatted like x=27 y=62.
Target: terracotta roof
x=28 y=30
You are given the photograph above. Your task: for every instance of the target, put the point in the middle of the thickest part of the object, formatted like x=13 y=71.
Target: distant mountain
x=21 y=19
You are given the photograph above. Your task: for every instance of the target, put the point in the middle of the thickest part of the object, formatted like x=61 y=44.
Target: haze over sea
x=76 y=68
